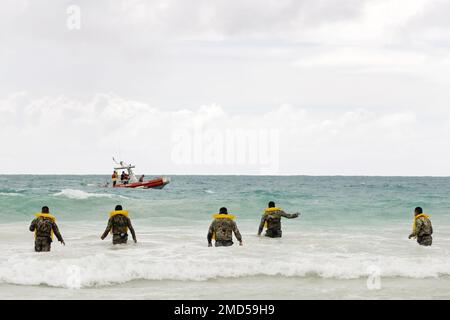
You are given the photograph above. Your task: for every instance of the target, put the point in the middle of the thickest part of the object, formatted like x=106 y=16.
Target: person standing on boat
x=222 y=229
x=114 y=178
x=118 y=224
x=141 y=179
x=271 y=219
x=44 y=227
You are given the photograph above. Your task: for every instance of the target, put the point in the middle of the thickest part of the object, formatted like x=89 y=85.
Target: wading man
x=118 y=224
x=422 y=228
x=271 y=219
x=44 y=227
x=222 y=229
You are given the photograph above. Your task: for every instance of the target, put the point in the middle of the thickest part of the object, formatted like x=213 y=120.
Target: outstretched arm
x=33 y=225
x=108 y=229
x=132 y=230
x=261 y=224
x=289 y=215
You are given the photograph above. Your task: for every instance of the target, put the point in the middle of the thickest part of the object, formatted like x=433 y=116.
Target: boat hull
x=157 y=183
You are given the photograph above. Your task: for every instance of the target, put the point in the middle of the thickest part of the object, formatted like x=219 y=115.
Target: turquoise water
x=324 y=201
x=347 y=227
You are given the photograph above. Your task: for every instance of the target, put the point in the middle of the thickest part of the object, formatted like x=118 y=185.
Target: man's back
x=120 y=224
x=424 y=227
x=223 y=229
x=273 y=220
x=424 y=230
x=44 y=228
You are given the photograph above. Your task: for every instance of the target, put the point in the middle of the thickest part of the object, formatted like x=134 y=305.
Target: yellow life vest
x=268 y=210
x=116 y=212
x=45 y=215
x=422 y=215
x=222 y=216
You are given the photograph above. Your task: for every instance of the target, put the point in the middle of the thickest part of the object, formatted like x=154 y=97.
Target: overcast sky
x=317 y=87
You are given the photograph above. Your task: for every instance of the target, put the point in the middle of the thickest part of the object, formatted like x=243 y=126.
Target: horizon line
x=235 y=175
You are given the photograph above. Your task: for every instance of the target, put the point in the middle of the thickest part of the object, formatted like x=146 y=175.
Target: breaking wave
x=81 y=195
x=103 y=269
x=10 y=194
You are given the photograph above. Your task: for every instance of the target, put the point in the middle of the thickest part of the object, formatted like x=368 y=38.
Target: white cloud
x=367 y=59
x=369 y=81
x=56 y=134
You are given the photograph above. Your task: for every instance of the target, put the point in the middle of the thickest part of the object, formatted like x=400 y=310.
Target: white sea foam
x=182 y=255
x=104 y=269
x=81 y=195
x=10 y=194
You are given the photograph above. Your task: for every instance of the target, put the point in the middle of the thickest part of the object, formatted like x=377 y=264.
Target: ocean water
x=350 y=241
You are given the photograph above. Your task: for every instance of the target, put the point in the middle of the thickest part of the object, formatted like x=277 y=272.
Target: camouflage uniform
x=273 y=220
x=423 y=231
x=43 y=227
x=222 y=229
x=119 y=224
